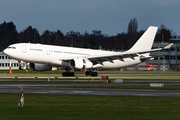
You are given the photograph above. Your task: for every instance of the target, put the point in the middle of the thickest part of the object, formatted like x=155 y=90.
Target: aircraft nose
x=6 y=51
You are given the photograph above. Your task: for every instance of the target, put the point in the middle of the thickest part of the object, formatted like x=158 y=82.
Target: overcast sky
x=109 y=16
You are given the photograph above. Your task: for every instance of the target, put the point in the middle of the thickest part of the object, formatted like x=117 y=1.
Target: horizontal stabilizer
x=168 y=46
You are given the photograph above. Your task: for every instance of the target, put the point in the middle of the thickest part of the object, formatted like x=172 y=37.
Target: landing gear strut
x=67 y=73
x=91 y=73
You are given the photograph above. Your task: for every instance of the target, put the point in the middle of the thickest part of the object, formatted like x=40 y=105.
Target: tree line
x=94 y=40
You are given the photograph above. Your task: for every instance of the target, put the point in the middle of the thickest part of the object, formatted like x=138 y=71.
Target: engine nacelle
x=40 y=67
x=80 y=63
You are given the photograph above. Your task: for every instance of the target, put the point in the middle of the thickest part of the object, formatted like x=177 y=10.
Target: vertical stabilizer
x=146 y=40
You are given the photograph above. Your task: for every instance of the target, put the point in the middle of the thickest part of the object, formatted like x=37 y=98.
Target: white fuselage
x=55 y=55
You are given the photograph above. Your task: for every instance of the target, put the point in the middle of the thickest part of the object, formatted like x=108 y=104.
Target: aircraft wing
x=129 y=54
x=100 y=58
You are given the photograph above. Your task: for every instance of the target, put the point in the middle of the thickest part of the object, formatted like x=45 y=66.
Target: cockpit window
x=11 y=47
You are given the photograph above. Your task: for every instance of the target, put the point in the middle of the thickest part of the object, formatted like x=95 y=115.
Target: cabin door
x=48 y=52
x=24 y=49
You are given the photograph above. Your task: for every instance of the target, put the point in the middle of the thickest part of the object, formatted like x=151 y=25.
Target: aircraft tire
x=64 y=74
x=71 y=74
x=87 y=73
x=67 y=74
x=94 y=74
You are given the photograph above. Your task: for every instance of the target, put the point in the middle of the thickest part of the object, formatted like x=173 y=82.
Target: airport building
x=170 y=59
x=167 y=60
x=4 y=62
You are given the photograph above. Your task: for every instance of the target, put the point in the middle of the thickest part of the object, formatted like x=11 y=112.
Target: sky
x=109 y=16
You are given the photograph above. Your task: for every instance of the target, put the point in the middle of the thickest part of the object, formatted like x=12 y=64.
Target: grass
x=59 y=107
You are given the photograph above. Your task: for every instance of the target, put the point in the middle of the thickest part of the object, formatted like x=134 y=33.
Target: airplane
x=42 y=57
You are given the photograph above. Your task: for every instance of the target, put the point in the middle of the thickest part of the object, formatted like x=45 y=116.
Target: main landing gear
x=91 y=73
x=67 y=73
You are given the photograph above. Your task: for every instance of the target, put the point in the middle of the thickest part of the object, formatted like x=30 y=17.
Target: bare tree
x=132 y=32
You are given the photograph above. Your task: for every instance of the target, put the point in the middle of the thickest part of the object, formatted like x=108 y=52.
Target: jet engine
x=80 y=63
x=40 y=67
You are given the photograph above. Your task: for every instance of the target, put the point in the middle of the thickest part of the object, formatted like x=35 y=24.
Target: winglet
x=168 y=46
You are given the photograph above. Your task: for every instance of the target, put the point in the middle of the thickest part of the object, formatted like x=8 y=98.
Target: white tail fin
x=146 y=40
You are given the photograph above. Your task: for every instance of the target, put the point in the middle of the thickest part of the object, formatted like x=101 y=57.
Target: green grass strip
x=57 y=107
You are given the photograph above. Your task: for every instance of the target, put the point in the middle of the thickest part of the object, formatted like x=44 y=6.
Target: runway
x=33 y=89
x=89 y=77
x=125 y=81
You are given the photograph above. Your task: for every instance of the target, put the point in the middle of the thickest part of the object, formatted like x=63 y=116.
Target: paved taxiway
x=31 y=89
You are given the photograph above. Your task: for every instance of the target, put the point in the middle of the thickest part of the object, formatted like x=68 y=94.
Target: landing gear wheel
x=94 y=74
x=91 y=73
x=64 y=74
x=71 y=73
x=87 y=73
